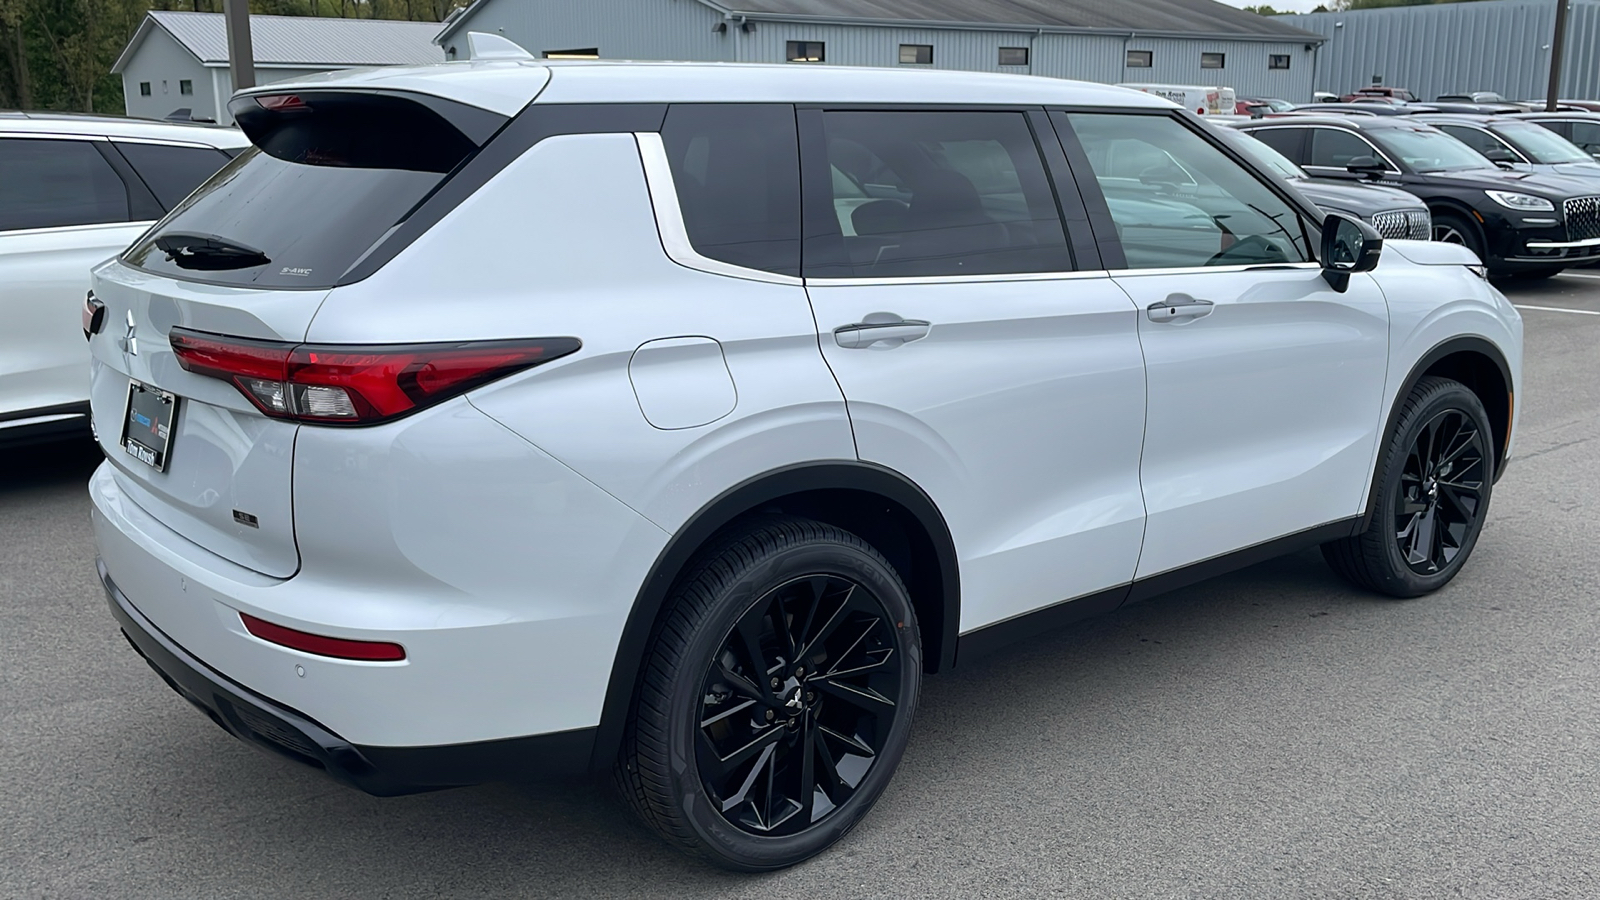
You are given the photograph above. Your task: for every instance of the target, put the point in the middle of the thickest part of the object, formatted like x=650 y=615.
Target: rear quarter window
x=172 y=172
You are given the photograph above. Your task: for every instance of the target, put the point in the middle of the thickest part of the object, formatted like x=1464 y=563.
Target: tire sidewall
x=738 y=848
x=1444 y=396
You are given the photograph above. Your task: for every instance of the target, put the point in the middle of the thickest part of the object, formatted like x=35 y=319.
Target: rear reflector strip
x=338 y=648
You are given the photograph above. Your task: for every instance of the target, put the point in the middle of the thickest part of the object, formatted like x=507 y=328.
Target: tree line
x=57 y=54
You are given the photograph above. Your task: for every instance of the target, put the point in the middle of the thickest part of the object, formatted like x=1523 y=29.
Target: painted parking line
x=1578 y=312
x=1580 y=275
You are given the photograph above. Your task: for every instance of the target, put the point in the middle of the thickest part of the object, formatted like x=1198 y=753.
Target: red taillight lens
x=338 y=648
x=281 y=102
x=356 y=385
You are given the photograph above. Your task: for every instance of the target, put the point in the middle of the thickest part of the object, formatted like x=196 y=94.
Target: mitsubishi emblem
x=130 y=343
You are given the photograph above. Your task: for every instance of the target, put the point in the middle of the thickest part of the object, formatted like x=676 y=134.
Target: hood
x=1432 y=253
x=1362 y=200
x=1541 y=184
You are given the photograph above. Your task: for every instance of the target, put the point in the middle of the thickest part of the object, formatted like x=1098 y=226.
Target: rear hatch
x=251 y=255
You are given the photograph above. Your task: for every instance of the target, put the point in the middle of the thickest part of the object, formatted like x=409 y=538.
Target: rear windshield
x=328 y=177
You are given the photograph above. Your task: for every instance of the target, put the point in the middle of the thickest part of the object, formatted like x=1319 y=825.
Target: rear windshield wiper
x=209 y=253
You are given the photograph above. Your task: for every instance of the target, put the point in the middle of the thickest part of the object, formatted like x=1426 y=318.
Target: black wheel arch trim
x=1461 y=344
x=734 y=503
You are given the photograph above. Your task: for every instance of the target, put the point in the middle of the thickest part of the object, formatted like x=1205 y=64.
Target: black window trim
x=816 y=198
x=1100 y=211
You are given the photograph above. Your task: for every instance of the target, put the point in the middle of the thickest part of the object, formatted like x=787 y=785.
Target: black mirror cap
x=1349 y=245
x=1366 y=165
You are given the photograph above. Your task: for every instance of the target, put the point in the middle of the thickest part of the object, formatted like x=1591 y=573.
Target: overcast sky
x=1285 y=5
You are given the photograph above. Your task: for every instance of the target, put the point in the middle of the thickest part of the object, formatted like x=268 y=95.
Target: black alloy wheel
x=798 y=704
x=777 y=697
x=1441 y=491
x=1428 y=506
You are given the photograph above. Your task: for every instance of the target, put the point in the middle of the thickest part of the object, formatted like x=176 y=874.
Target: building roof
x=1153 y=17
x=296 y=41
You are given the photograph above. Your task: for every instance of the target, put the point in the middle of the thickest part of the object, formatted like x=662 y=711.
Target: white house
x=179 y=60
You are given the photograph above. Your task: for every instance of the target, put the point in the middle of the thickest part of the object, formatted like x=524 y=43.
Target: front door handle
x=1179 y=308
x=882 y=330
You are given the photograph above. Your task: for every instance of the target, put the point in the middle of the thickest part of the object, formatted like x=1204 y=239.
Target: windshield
x=1541 y=144
x=1426 y=149
x=1264 y=155
x=1278 y=105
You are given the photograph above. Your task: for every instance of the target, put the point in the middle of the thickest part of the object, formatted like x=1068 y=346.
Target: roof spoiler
x=492 y=46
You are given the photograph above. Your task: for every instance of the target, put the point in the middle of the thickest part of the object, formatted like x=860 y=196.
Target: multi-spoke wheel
x=1437 y=470
x=777 y=699
x=1454 y=228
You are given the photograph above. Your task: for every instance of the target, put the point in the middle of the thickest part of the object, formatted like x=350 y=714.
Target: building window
x=1013 y=56
x=1278 y=61
x=1213 y=60
x=579 y=53
x=186 y=87
x=1140 y=59
x=805 y=51
x=144 y=88
x=916 y=54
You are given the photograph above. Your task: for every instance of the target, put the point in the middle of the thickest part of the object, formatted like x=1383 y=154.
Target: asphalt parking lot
x=1272 y=733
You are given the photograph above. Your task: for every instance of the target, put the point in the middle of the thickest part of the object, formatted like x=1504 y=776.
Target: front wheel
x=1437 y=471
x=777 y=699
x=1453 y=228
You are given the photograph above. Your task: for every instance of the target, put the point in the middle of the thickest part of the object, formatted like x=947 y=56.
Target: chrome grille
x=1583 y=218
x=1410 y=224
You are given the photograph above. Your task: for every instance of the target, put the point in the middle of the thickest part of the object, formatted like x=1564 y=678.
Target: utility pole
x=1557 y=45
x=241 y=58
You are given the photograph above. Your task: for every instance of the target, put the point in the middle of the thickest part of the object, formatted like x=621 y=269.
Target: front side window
x=1213 y=60
x=1542 y=145
x=736 y=168
x=916 y=54
x=1481 y=141
x=1140 y=59
x=52 y=184
x=1013 y=56
x=1587 y=136
x=1178 y=201
x=933 y=194
x=806 y=51
x=1335 y=148
x=1427 y=149
x=1277 y=61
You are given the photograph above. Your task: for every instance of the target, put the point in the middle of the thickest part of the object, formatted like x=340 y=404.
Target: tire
x=847 y=680
x=1437 y=473
x=1454 y=228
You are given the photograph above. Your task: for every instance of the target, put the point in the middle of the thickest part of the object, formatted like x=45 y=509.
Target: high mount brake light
x=346 y=384
x=281 y=102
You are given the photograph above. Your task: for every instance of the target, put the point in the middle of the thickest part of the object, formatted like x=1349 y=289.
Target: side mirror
x=1365 y=165
x=1348 y=245
x=1500 y=155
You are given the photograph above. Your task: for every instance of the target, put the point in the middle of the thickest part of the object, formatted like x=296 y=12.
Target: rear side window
x=51 y=184
x=933 y=194
x=1288 y=141
x=172 y=172
x=330 y=174
x=737 y=172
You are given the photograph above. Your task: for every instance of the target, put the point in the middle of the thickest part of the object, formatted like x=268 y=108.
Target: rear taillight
x=336 y=384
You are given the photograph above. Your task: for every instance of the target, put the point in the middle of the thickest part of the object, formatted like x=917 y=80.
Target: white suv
x=508 y=418
x=74 y=190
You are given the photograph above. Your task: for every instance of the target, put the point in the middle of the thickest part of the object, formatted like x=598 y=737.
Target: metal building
x=179 y=60
x=1199 y=42
x=1445 y=48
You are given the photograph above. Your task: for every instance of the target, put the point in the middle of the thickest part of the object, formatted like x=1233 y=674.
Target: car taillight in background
x=343 y=384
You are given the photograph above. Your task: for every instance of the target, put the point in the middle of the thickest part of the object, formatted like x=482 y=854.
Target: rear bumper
x=383 y=771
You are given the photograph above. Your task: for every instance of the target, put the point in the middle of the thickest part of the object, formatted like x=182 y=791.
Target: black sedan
x=1519 y=223
x=1518 y=143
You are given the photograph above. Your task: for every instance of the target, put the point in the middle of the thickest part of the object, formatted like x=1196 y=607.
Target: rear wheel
x=777 y=698
x=1437 y=473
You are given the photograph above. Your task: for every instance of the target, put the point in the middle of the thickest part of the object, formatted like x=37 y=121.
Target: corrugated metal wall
x=1495 y=45
x=681 y=29
x=620 y=29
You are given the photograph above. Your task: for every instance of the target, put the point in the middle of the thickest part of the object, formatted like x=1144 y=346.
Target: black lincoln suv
x=1519 y=223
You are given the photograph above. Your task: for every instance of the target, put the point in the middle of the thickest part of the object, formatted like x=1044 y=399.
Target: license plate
x=147 y=426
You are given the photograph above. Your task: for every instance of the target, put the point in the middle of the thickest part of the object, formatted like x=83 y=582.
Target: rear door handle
x=862 y=335
x=1179 y=308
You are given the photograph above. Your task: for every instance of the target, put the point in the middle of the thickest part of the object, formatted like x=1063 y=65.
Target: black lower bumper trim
x=382 y=771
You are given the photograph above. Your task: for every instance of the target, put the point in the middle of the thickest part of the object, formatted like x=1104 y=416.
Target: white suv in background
x=74 y=190
x=508 y=418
